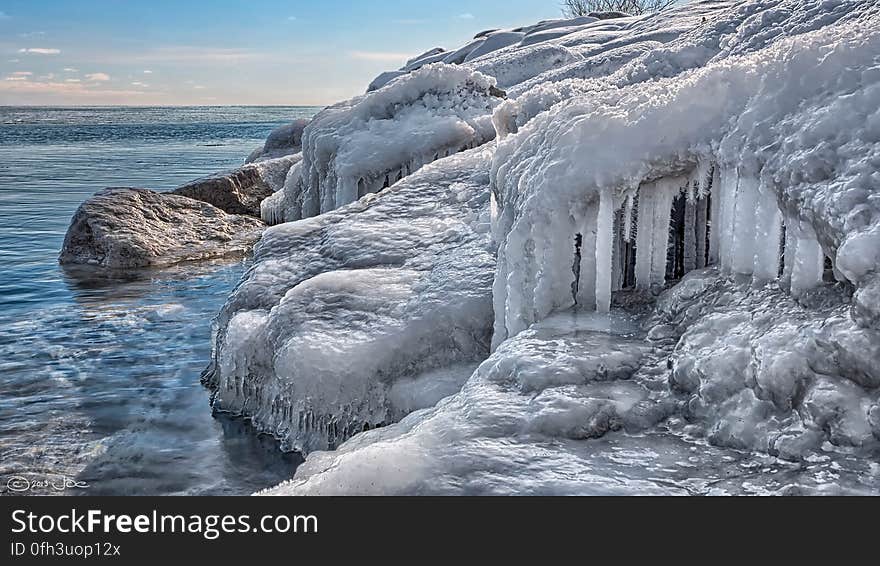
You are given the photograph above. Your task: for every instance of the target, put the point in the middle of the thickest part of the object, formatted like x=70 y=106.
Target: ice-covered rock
x=122 y=228
x=351 y=319
x=242 y=190
x=369 y=143
x=758 y=115
x=282 y=141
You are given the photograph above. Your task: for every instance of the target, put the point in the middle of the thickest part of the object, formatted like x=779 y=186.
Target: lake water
x=99 y=380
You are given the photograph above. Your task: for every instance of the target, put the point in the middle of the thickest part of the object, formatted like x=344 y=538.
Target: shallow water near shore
x=99 y=379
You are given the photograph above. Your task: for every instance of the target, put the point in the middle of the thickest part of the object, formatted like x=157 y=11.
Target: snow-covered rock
x=351 y=319
x=123 y=228
x=242 y=190
x=369 y=143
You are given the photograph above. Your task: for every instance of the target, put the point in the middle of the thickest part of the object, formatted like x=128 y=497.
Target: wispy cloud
x=40 y=50
x=70 y=70
x=72 y=81
x=71 y=89
x=98 y=77
x=32 y=34
x=291 y=18
x=148 y=72
x=139 y=84
x=466 y=16
x=381 y=56
x=22 y=74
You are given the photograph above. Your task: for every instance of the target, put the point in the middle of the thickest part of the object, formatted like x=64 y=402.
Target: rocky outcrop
x=282 y=141
x=125 y=228
x=241 y=191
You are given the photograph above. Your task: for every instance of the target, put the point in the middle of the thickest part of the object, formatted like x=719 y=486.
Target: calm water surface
x=99 y=380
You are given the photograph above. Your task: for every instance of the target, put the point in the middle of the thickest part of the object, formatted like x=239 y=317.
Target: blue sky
x=227 y=52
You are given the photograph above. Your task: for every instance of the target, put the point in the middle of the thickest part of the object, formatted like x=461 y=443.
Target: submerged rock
x=125 y=228
x=241 y=191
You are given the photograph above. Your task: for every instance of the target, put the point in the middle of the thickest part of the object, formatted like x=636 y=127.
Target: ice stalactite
x=769 y=235
x=604 y=250
x=744 y=212
x=807 y=261
x=714 y=253
x=586 y=292
x=701 y=230
x=666 y=189
x=690 y=235
x=644 y=235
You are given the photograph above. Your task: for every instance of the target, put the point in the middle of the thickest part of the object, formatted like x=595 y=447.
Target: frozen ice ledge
x=708 y=175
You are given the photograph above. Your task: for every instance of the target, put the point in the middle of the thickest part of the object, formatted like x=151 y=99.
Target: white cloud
x=15 y=60
x=148 y=72
x=139 y=84
x=32 y=34
x=40 y=50
x=13 y=78
x=98 y=77
x=466 y=16
x=22 y=74
x=198 y=87
x=70 y=70
x=381 y=56
x=72 y=81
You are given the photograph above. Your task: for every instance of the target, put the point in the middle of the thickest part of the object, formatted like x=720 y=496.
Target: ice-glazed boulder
x=123 y=228
x=352 y=319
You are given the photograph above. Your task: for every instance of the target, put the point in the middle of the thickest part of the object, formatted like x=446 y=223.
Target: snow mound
x=789 y=129
x=352 y=319
x=369 y=143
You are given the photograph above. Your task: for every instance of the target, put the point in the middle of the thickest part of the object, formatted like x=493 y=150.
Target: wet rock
x=125 y=228
x=241 y=191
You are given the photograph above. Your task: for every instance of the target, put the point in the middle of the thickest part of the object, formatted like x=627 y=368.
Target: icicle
x=702 y=174
x=809 y=262
x=617 y=271
x=690 y=236
x=727 y=212
x=700 y=231
x=628 y=217
x=769 y=233
x=586 y=292
x=743 y=256
x=644 y=234
x=604 y=250
x=714 y=217
x=665 y=190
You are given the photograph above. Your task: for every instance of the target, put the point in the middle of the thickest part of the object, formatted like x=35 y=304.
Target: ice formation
x=369 y=143
x=351 y=319
x=684 y=208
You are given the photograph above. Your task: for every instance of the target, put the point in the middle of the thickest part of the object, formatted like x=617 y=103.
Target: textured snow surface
x=352 y=319
x=628 y=153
